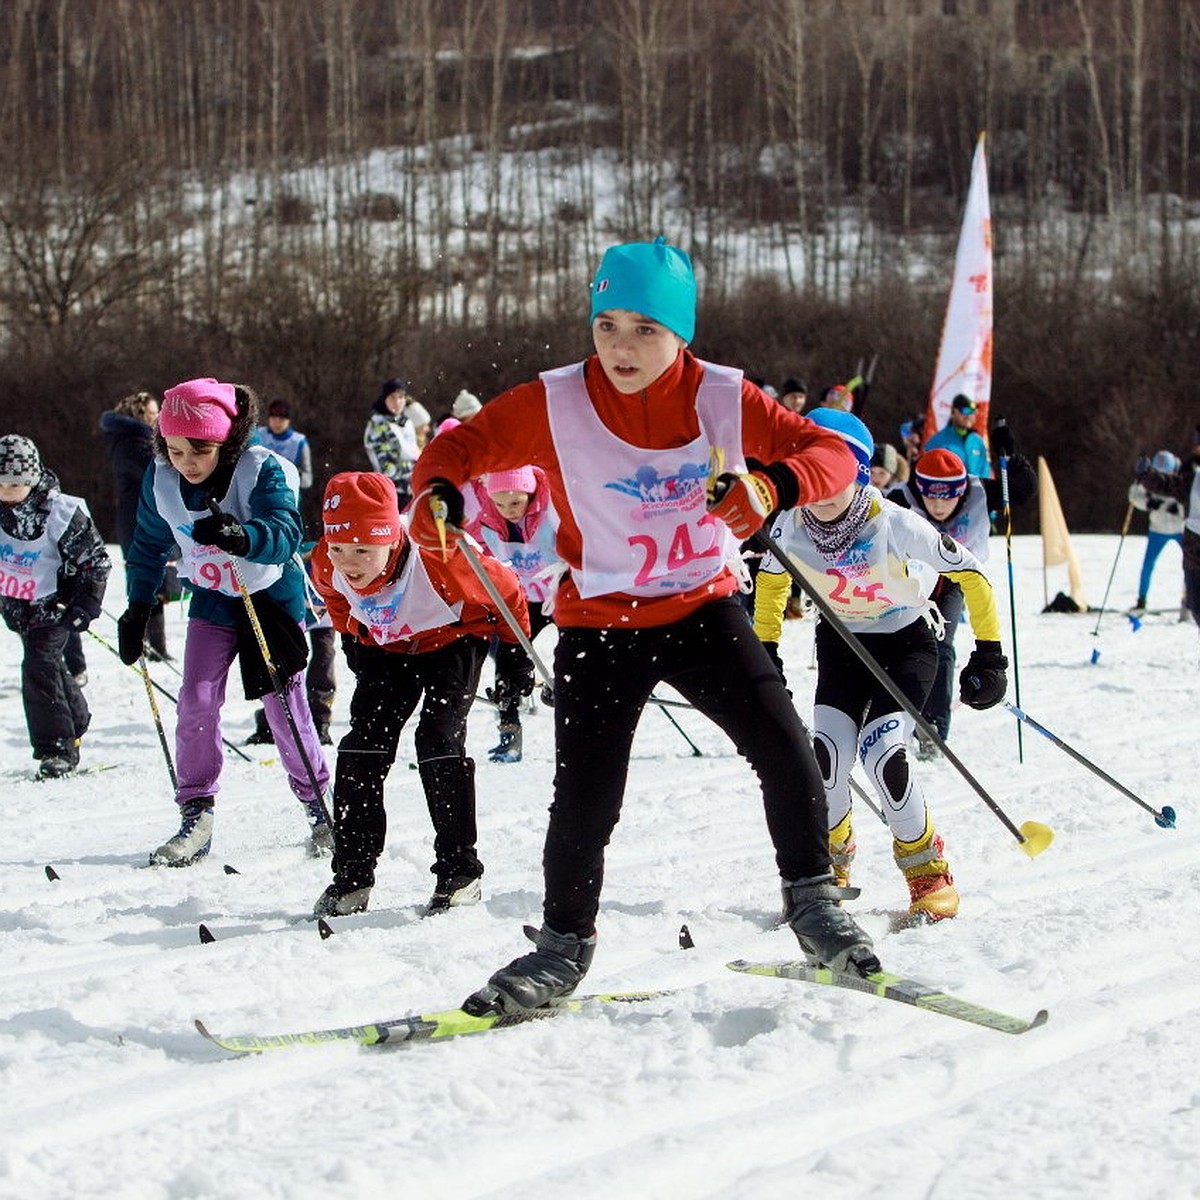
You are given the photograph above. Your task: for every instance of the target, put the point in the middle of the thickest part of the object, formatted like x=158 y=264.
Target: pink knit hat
x=520 y=480
x=201 y=409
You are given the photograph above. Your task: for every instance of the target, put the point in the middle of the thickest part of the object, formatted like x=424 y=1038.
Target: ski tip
x=206 y=935
x=685 y=938
x=202 y=1030
x=324 y=929
x=52 y=874
x=1164 y=820
x=1040 y=1018
x=231 y=870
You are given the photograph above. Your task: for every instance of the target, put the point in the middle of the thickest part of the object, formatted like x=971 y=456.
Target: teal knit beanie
x=650 y=278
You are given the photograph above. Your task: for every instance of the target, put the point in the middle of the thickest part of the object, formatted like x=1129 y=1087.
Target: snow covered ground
x=735 y=1086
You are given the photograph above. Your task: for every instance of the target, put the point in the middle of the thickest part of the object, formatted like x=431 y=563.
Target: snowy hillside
x=734 y=1086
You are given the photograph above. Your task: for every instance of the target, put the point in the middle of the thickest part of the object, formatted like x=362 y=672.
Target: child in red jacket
x=627 y=440
x=412 y=626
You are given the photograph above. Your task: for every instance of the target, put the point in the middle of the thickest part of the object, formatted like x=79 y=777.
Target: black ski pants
x=55 y=710
x=386 y=692
x=602 y=680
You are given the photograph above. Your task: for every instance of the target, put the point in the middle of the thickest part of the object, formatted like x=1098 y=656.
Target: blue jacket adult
x=967 y=444
x=130 y=445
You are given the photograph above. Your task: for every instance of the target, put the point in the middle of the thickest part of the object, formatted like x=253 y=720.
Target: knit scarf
x=833 y=538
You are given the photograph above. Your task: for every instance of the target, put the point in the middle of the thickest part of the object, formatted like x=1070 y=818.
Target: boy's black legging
x=386 y=691
x=602 y=679
x=55 y=710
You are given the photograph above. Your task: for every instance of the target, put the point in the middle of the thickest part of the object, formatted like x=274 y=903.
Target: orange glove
x=743 y=502
x=437 y=517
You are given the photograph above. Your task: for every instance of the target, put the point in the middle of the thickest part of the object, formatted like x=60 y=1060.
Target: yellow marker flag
x=1056 y=540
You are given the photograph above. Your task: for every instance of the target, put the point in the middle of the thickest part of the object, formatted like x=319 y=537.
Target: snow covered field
x=734 y=1087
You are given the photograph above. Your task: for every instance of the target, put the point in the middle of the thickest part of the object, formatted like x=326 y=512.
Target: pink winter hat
x=201 y=409
x=520 y=480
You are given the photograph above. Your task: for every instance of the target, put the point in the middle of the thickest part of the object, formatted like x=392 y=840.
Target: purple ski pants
x=208 y=654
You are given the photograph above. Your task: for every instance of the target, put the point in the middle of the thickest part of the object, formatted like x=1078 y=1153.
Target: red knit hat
x=941 y=475
x=361 y=506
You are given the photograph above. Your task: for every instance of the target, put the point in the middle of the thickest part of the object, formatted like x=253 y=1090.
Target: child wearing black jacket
x=53 y=569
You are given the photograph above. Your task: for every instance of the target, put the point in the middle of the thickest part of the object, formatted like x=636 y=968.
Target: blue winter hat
x=650 y=278
x=853 y=432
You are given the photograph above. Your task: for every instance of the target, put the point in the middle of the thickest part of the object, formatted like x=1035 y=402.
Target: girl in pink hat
x=232 y=510
x=517 y=524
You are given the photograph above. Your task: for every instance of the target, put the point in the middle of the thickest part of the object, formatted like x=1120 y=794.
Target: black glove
x=426 y=506
x=222 y=530
x=772 y=649
x=77 y=618
x=131 y=631
x=350 y=650
x=1143 y=466
x=1002 y=439
x=983 y=681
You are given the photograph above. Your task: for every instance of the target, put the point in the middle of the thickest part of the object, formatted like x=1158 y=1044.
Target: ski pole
x=666 y=712
x=1104 y=602
x=162 y=733
x=1012 y=595
x=276 y=683
x=511 y=621
x=169 y=695
x=862 y=793
x=507 y=613
x=1033 y=837
x=1164 y=819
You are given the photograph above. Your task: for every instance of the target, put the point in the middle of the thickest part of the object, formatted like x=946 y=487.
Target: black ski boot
x=826 y=932
x=551 y=972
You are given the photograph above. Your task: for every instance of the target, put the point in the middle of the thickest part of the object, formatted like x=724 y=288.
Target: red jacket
x=454 y=581
x=514 y=429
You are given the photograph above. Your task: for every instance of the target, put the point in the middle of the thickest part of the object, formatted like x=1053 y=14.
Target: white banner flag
x=964 y=365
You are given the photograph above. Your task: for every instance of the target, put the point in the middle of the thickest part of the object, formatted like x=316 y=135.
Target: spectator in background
x=911 y=435
x=465 y=406
x=885 y=467
x=390 y=438
x=793 y=394
x=959 y=437
x=128 y=429
x=838 y=396
x=278 y=435
x=422 y=422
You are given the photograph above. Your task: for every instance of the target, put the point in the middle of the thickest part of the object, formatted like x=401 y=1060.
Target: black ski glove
x=983 y=681
x=131 y=631
x=222 y=530
x=1143 y=466
x=77 y=618
x=439 y=497
x=1002 y=439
